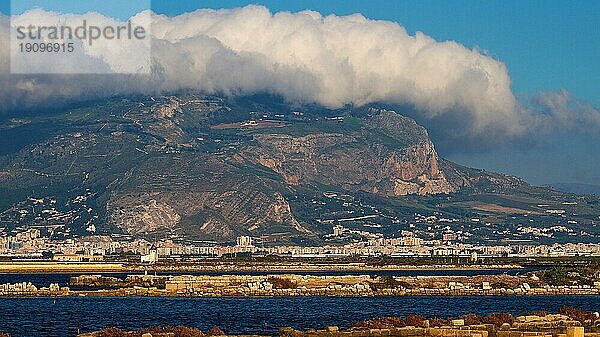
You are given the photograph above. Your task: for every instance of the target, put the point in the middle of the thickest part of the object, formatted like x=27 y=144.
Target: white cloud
x=556 y=111
x=306 y=57
x=337 y=60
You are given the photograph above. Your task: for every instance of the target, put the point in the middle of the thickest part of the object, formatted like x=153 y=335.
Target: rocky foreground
x=569 y=322
x=291 y=285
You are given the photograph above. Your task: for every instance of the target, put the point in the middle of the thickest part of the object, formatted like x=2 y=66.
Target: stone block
x=435 y=332
x=532 y=318
x=286 y=331
x=575 y=331
x=503 y=333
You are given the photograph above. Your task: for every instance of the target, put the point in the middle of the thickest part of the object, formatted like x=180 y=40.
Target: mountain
x=577 y=188
x=194 y=167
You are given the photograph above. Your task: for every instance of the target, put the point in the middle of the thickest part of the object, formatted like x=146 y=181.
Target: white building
x=245 y=241
x=152 y=256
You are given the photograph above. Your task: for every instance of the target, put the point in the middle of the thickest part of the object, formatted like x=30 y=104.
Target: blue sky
x=114 y=8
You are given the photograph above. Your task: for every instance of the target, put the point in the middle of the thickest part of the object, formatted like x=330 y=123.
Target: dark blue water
x=43 y=280
x=41 y=317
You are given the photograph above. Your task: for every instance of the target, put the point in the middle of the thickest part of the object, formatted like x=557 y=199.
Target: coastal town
x=260 y=168
x=29 y=244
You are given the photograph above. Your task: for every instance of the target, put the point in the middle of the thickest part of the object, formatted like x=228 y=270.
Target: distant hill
x=576 y=188
x=193 y=167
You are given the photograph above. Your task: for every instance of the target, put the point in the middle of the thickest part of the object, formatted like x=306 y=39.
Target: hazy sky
x=546 y=46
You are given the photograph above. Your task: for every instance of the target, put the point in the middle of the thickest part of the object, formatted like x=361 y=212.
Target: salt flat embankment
x=292 y=285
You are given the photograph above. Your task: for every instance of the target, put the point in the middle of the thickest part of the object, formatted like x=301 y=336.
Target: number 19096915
x=36 y=47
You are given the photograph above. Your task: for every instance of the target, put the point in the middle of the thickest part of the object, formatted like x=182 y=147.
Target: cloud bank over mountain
x=307 y=57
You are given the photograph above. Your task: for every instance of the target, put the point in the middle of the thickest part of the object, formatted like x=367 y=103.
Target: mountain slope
x=577 y=188
x=194 y=167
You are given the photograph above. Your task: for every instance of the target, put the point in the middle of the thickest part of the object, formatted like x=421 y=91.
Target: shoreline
x=48 y=267
x=567 y=322
x=167 y=296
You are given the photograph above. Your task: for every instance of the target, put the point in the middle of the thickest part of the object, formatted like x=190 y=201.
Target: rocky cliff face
x=387 y=165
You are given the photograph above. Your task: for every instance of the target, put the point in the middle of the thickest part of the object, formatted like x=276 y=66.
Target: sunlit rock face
x=390 y=155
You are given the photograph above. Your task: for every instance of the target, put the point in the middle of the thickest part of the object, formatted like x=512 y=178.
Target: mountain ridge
x=577 y=188
x=197 y=167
